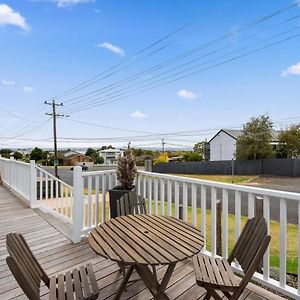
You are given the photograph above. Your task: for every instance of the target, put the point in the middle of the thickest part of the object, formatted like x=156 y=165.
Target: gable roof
x=231 y=132
x=235 y=133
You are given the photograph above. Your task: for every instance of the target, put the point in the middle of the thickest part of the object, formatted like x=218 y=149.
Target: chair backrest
x=24 y=266
x=251 y=245
x=131 y=204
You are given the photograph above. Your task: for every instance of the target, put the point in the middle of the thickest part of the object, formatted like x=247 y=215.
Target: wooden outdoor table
x=140 y=241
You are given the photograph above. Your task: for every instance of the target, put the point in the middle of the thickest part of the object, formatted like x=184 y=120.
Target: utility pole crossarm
x=54 y=116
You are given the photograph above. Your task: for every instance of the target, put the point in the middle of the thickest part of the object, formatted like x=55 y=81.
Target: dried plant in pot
x=126 y=172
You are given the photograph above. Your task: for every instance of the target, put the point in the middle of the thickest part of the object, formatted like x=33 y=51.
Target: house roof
x=111 y=150
x=231 y=132
x=235 y=133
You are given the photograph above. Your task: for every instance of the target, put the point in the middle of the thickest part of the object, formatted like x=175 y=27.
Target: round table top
x=146 y=239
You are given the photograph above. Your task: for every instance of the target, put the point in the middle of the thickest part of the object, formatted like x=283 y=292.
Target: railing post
x=78 y=204
x=33 y=185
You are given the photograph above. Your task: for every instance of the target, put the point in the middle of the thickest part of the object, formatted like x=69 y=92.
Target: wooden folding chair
x=131 y=204
x=215 y=274
x=76 y=284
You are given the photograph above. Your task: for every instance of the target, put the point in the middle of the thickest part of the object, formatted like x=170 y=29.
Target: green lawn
x=220 y=178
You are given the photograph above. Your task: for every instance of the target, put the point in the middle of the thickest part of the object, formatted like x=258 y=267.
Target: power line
x=135 y=56
x=180 y=75
x=189 y=52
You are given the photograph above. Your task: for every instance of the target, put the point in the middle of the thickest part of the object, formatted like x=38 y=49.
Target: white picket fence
x=86 y=205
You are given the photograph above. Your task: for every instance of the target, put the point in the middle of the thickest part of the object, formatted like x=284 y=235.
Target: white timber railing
x=196 y=201
x=20 y=177
x=54 y=196
x=38 y=188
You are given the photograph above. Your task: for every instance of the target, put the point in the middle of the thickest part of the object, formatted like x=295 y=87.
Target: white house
x=223 y=144
x=110 y=156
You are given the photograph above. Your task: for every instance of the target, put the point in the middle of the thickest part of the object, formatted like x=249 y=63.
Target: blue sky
x=50 y=46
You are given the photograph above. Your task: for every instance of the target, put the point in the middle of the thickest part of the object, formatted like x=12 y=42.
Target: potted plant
x=126 y=172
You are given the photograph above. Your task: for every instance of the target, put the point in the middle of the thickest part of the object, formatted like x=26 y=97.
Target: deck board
x=57 y=254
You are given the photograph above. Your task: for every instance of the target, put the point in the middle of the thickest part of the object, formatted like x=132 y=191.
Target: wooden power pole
x=54 y=116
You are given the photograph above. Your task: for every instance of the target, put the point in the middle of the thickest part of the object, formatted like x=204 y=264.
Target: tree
x=255 y=140
x=17 y=155
x=5 y=153
x=94 y=155
x=289 y=143
x=192 y=156
x=37 y=154
x=107 y=147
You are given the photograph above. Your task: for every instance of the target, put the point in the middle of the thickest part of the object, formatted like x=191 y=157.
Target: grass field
x=220 y=178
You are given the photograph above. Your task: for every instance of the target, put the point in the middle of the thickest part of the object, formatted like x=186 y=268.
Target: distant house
x=223 y=144
x=110 y=156
x=73 y=158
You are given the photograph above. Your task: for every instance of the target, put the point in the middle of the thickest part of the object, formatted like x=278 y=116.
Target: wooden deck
x=57 y=254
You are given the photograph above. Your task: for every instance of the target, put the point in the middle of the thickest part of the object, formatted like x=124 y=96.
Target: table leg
x=124 y=283
x=156 y=289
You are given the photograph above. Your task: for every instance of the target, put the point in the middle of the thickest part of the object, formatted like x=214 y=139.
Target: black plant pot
x=115 y=194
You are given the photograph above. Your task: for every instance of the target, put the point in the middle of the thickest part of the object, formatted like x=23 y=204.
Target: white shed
x=223 y=144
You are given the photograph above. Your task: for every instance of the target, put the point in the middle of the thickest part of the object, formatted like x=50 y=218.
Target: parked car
x=84 y=168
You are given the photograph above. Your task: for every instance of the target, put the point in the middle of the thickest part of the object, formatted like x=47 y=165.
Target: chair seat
x=214 y=273
x=76 y=284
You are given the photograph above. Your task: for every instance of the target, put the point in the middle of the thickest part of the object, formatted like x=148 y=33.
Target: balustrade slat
x=56 y=196
x=97 y=200
x=162 y=197
x=203 y=213
x=194 y=204
x=47 y=190
x=184 y=201
x=41 y=184
x=169 y=198
x=237 y=213
x=225 y=223
x=144 y=187
x=51 y=193
x=283 y=222
x=176 y=187
x=156 y=196
x=149 y=195
x=138 y=183
x=266 y=259
x=213 y=221
x=90 y=203
x=250 y=205
x=103 y=198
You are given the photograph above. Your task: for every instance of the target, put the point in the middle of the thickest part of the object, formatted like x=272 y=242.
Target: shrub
x=126 y=170
x=163 y=158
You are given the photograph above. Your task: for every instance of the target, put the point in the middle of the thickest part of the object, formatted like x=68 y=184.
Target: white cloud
x=10 y=17
x=65 y=3
x=28 y=89
x=186 y=94
x=8 y=82
x=112 y=48
x=138 y=115
x=292 y=70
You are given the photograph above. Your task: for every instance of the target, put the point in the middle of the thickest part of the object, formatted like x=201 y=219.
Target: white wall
x=222 y=147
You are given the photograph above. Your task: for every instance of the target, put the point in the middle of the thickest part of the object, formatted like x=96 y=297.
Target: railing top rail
x=228 y=186
x=95 y=173
x=15 y=161
x=55 y=178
